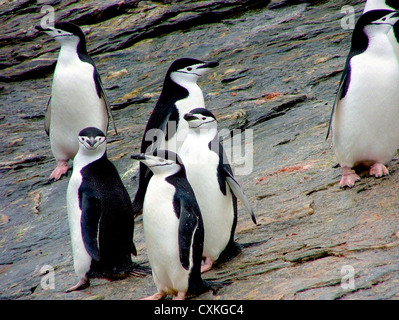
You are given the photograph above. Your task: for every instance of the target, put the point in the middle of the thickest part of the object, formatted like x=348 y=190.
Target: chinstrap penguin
x=78 y=99
x=364 y=117
x=173 y=228
x=216 y=189
x=166 y=128
x=100 y=214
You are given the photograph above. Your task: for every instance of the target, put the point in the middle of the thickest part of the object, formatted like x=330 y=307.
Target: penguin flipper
x=238 y=192
x=342 y=87
x=47 y=117
x=188 y=224
x=90 y=221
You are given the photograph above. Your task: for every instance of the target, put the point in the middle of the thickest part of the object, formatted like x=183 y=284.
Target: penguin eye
x=383 y=19
x=189 y=69
x=203 y=118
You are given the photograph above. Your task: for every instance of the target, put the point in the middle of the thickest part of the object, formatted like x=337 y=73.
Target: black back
x=107 y=215
x=223 y=170
x=191 y=228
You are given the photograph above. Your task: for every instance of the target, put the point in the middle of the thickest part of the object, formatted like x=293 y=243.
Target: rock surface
x=279 y=70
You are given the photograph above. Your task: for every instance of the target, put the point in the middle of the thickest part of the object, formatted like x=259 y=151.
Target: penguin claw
x=349 y=177
x=61 y=169
x=207 y=265
x=378 y=170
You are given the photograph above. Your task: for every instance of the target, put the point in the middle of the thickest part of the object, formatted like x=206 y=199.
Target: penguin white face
x=189 y=70
x=91 y=138
x=162 y=162
x=200 y=118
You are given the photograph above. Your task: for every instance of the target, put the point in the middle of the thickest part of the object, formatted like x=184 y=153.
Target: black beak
x=189 y=117
x=211 y=64
x=138 y=156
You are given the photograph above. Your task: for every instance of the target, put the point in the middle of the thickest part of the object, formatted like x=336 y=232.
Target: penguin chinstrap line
x=173 y=228
x=77 y=100
x=166 y=128
x=216 y=190
x=100 y=215
x=364 y=117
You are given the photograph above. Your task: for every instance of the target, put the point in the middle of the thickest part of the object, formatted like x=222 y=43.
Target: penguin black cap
x=185 y=62
x=91 y=132
x=203 y=111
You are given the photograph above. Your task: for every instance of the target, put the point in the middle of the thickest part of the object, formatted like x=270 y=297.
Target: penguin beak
x=138 y=156
x=211 y=64
x=189 y=117
x=92 y=142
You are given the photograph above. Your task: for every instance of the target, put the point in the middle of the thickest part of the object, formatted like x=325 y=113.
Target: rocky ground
x=279 y=70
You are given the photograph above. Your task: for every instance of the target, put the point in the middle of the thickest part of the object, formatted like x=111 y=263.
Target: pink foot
x=61 y=169
x=180 y=296
x=157 y=296
x=378 y=170
x=207 y=265
x=349 y=177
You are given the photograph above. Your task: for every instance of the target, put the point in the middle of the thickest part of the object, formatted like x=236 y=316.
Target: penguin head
x=185 y=71
x=200 y=118
x=161 y=162
x=66 y=33
x=369 y=24
x=377 y=21
x=92 y=140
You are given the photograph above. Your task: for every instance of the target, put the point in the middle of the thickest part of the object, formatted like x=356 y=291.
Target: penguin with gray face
x=166 y=128
x=78 y=99
x=364 y=117
x=173 y=227
x=216 y=189
x=100 y=214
